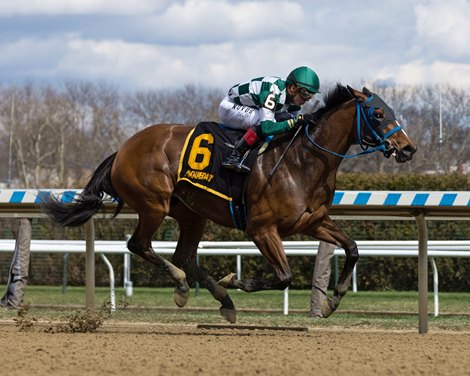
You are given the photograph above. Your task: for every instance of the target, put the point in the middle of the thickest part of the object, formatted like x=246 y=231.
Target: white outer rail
x=437 y=248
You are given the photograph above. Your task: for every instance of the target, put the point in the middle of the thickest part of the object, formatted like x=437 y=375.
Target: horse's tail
x=89 y=201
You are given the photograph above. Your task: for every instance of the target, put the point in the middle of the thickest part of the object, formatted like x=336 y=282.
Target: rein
x=273 y=170
x=384 y=144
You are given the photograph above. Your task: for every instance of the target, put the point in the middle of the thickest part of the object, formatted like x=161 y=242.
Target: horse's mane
x=332 y=99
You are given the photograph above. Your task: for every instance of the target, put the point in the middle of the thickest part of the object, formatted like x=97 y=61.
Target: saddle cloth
x=204 y=151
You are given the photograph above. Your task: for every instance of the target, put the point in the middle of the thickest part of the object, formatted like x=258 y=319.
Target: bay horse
x=293 y=200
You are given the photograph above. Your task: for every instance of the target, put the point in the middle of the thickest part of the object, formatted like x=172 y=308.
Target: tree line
x=54 y=136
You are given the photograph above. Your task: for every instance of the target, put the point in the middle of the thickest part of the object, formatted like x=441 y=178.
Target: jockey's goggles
x=305 y=94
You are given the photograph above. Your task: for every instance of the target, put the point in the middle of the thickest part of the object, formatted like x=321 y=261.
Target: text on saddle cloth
x=205 y=149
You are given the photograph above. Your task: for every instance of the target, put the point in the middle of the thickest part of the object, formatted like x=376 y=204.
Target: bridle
x=370 y=129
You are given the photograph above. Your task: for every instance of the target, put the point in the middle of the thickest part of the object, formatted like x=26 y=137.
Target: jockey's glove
x=305 y=119
x=283 y=116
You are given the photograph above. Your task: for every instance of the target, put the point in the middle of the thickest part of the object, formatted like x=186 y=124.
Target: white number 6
x=270 y=102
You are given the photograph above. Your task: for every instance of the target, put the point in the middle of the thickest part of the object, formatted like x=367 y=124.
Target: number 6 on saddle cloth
x=205 y=148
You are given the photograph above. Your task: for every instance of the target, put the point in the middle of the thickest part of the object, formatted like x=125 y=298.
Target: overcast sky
x=153 y=44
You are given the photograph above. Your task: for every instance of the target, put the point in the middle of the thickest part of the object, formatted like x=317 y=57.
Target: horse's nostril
x=410 y=149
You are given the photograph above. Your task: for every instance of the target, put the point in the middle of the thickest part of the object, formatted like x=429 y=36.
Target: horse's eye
x=378 y=115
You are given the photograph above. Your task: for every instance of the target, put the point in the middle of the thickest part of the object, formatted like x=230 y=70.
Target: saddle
x=205 y=148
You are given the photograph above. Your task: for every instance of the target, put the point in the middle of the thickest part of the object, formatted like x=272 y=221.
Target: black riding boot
x=235 y=160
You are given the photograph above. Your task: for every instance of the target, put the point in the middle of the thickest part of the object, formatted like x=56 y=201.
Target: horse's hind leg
x=191 y=229
x=141 y=244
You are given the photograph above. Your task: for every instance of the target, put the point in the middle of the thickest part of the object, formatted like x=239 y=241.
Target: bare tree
x=189 y=105
x=22 y=116
x=54 y=136
x=98 y=124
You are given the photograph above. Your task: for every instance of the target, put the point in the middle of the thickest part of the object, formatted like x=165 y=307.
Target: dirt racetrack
x=148 y=349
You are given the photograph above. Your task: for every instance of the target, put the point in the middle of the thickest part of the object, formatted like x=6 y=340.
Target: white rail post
x=90 y=264
x=111 y=282
x=286 y=301
x=436 y=287
x=422 y=273
x=239 y=268
x=354 y=278
x=127 y=271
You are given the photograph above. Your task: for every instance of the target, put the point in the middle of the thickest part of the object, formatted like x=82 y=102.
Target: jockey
x=266 y=106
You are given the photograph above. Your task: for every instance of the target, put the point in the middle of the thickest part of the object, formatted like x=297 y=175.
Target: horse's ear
x=357 y=94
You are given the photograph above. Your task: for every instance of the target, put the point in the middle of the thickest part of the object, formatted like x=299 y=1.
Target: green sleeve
x=269 y=128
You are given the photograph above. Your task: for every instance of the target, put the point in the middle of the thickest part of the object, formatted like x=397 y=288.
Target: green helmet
x=306 y=78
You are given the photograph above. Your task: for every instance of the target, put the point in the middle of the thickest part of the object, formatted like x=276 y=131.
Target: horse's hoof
x=316 y=316
x=229 y=314
x=326 y=308
x=227 y=281
x=181 y=296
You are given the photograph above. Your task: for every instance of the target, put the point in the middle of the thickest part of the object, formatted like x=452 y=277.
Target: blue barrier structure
x=364 y=205
x=443 y=204
x=402 y=203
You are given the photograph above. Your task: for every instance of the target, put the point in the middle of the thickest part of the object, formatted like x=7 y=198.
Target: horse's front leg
x=270 y=245
x=330 y=233
x=352 y=255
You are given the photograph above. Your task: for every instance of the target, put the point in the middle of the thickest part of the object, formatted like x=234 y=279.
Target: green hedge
x=403 y=182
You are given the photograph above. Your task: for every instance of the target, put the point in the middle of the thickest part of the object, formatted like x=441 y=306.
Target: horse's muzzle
x=405 y=154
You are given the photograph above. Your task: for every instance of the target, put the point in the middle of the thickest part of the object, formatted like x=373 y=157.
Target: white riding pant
x=237 y=116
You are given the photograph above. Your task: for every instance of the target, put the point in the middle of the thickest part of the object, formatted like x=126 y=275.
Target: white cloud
x=31 y=58
x=147 y=65
x=260 y=18
x=138 y=64
x=155 y=44
x=418 y=72
x=63 y=7
x=443 y=26
x=215 y=21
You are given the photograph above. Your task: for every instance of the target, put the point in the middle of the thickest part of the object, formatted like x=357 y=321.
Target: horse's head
x=379 y=127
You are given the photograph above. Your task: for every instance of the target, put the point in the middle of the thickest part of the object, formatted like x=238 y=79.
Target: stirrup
x=238 y=166
x=229 y=165
x=242 y=168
